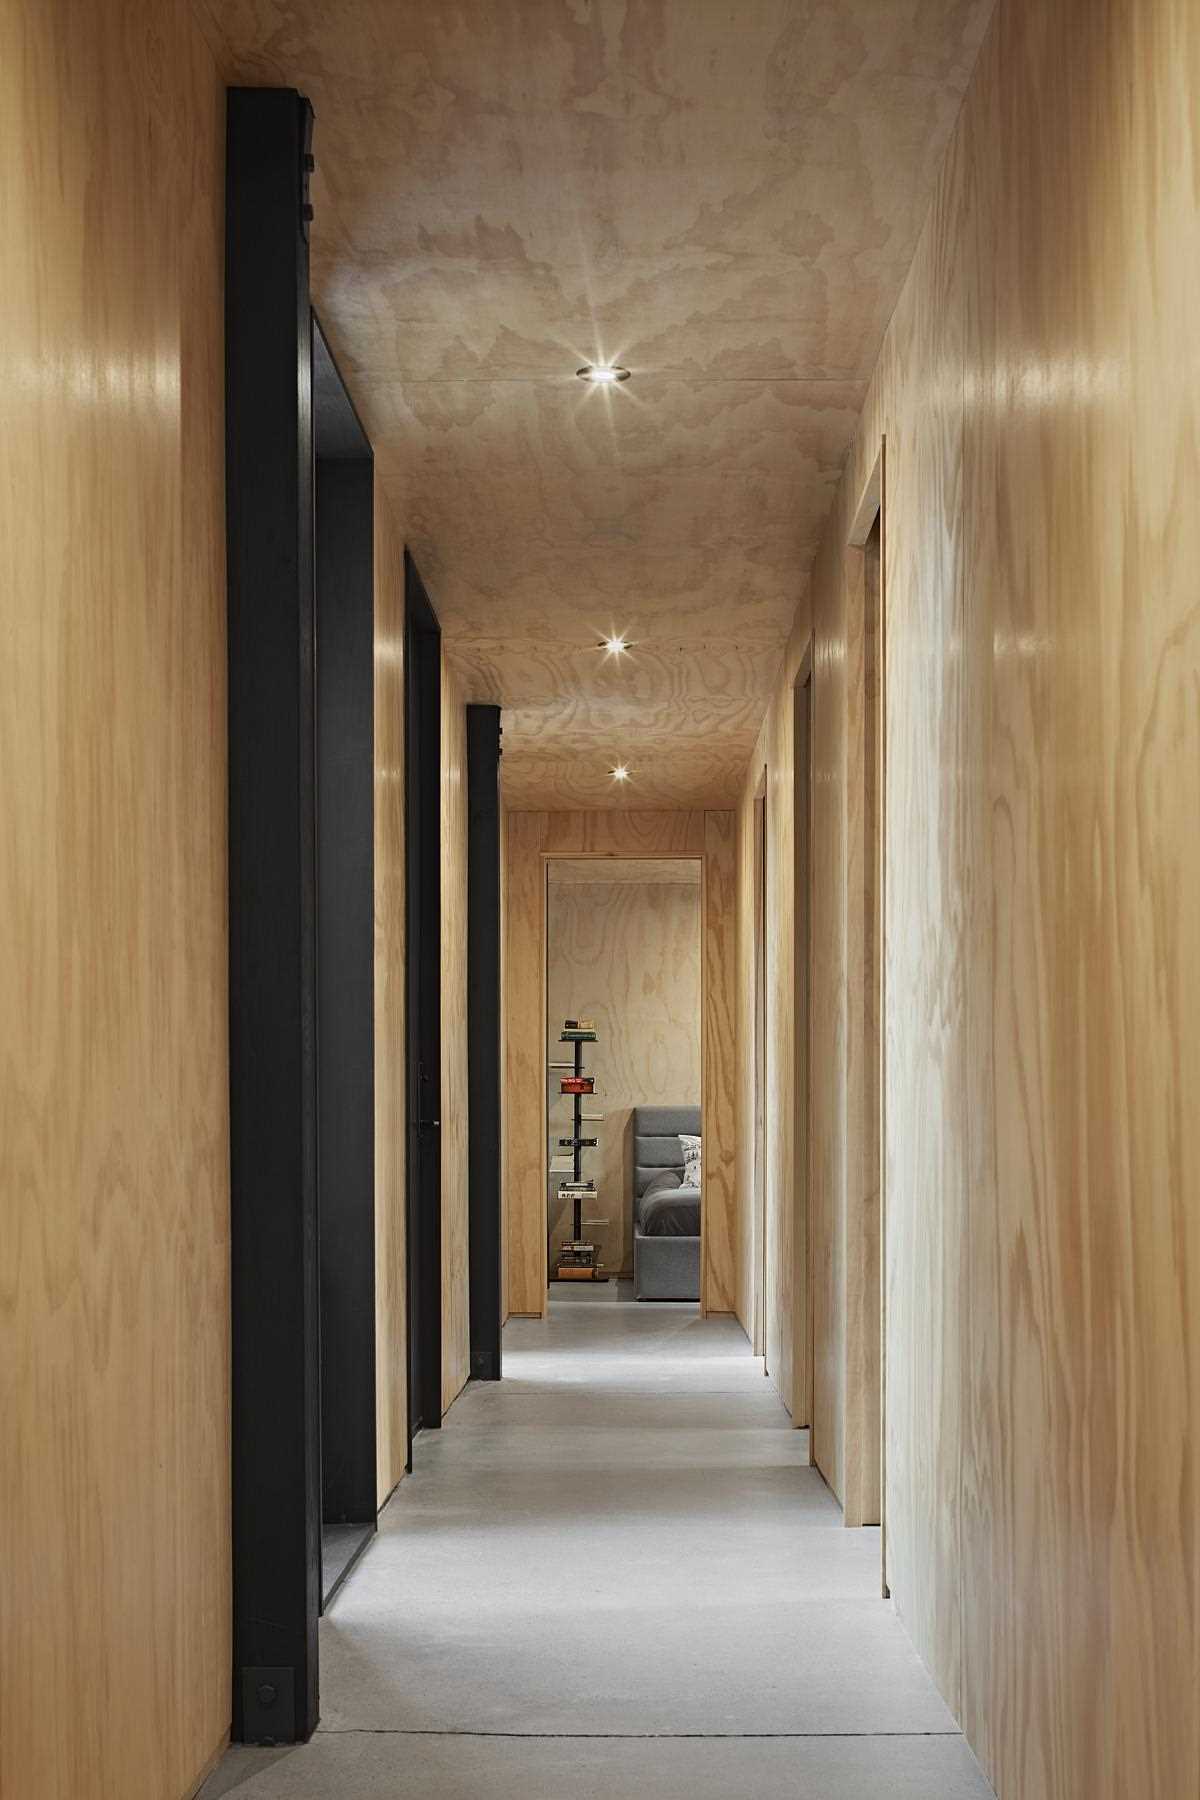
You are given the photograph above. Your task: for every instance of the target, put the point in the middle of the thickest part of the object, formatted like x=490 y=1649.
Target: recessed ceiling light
x=615 y=646
x=603 y=374
x=620 y=773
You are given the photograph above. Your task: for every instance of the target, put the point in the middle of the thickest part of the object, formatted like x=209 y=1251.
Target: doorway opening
x=871 y=1476
x=623 y=1121
x=802 y=1235
x=866 y=1234
x=759 y=1228
x=423 y=994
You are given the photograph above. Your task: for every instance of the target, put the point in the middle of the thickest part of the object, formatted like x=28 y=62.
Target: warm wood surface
x=1038 y=394
x=642 y=871
x=726 y=204
x=721 y=1050
x=456 y=1344
x=784 y=1304
x=391 y=1308
x=626 y=954
x=114 y=1143
x=531 y=838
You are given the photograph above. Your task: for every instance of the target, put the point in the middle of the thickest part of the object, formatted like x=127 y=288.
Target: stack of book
x=577 y=1256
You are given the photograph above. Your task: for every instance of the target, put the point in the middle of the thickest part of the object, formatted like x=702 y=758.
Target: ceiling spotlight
x=614 y=646
x=603 y=374
x=620 y=773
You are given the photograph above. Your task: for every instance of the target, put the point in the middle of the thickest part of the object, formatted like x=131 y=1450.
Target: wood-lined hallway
x=1011 y=1274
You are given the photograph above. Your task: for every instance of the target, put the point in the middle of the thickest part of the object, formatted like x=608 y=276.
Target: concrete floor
x=613 y=1574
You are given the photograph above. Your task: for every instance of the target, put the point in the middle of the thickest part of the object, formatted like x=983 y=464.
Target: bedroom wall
x=623 y=948
x=1039 y=396
x=114 y=1131
x=529 y=838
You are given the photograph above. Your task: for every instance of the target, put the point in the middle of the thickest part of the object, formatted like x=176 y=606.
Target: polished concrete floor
x=613 y=1574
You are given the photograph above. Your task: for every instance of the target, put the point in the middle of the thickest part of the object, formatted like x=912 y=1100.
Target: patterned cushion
x=691 y=1159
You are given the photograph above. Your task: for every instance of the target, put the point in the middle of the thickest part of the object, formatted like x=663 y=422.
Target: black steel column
x=272 y=919
x=483 y=1026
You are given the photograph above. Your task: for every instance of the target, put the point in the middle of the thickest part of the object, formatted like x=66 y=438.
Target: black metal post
x=276 y=1443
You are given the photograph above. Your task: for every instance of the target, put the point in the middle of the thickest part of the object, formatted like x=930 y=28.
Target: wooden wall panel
x=456 y=1344
x=114 y=1137
x=784 y=1304
x=529 y=839
x=626 y=953
x=1039 y=396
x=524 y=1005
x=719 y=1273
x=391 y=1306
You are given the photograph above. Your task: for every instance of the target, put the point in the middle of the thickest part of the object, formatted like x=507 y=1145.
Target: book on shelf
x=573 y=1143
x=577 y=1037
x=577 y=1084
x=579 y=1024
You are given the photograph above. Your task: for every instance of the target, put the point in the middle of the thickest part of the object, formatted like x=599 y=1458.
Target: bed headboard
x=656 y=1143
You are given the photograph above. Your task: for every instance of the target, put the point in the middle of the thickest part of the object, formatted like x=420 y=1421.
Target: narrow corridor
x=613 y=1574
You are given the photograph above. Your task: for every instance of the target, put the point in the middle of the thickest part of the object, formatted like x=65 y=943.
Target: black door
x=423 y=956
x=483 y=1030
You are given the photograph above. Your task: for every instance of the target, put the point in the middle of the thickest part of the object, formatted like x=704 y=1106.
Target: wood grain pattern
x=592 y=871
x=721 y=1051
x=506 y=191
x=531 y=838
x=114 y=1135
x=456 y=1337
x=626 y=953
x=1038 y=394
x=391 y=1130
x=784 y=1304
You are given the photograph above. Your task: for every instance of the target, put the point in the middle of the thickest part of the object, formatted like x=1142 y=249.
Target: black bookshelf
x=577 y=1259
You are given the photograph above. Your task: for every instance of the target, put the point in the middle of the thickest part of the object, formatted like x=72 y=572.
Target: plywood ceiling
x=723 y=197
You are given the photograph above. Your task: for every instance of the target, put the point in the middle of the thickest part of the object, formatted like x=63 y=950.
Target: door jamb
x=423 y=968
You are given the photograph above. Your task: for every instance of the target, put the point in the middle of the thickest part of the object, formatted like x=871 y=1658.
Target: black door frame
x=275 y=1421
x=423 y=994
x=344 y=488
x=483 y=1032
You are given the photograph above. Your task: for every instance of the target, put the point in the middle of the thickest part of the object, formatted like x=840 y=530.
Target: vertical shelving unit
x=576 y=1259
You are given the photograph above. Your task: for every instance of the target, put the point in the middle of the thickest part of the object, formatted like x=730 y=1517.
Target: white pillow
x=691 y=1160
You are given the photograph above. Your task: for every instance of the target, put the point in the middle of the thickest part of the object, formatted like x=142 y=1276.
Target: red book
x=577 y=1084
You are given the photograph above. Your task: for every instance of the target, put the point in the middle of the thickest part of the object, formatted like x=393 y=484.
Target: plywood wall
x=114 y=1142
x=529 y=839
x=626 y=954
x=456 y=1344
x=784 y=1302
x=391 y=1307
x=720 y=1062
x=1039 y=394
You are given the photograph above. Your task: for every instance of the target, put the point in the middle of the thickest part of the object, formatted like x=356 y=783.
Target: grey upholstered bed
x=666 y=1215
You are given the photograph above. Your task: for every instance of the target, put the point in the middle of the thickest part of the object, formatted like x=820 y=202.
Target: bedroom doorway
x=760 y=1334
x=623 y=1033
